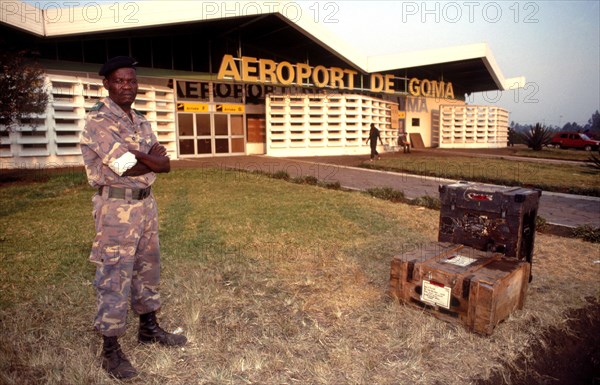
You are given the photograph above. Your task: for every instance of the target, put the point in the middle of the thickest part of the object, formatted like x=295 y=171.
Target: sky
x=555 y=45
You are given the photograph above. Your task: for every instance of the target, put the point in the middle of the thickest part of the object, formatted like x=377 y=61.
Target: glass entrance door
x=206 y=134
x=187 y=134
x=204 y=137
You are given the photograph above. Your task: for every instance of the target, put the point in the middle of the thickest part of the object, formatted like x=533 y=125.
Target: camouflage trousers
x=127 y=257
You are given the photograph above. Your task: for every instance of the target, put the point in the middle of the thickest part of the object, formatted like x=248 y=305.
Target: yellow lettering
x=438 y=89
x=267 y=67
x=350 y=74
x=426 y=88
x=449 y=91
x=315 y=76
x=290 y=73
x=413 y=86
x=228 y=69
x=389 y=84
x=337 y=76
x=376 y=82
x=248 y=72
x=302 y=73
x=285 y=73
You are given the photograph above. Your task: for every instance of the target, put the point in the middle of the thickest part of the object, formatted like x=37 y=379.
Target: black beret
x=115 y=63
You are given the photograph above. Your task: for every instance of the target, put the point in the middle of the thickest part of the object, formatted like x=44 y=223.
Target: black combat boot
x=114 y=360
x=150 y=332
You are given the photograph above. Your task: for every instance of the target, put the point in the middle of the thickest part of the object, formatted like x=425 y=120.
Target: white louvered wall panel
x=308 y=125
x=473 y=127
x=54 y=140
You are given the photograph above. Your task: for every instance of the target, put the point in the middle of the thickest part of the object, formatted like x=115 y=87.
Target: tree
x=537 y=137
x=22 y=84
x=512 y=136
x=593 y=124
x=572 y=127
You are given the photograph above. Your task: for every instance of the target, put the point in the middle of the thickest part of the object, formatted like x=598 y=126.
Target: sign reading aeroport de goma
x=267 y=71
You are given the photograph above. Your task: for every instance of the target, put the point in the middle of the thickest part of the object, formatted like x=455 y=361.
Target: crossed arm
x=156 y=160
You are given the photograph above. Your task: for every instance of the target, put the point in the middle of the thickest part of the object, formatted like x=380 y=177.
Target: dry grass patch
x=272 y=282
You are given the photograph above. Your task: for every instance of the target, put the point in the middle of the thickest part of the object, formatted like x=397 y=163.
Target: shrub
x=387 y=193
x=331 y=185
x=281 y=175
x=587 y=233
x=259 y=172
x=308 y=179
x=537 y=137
x=540 y=223
x=593 y=162
x=427 y=201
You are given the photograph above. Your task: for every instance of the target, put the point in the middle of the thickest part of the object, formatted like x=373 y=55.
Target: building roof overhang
x=471 y=66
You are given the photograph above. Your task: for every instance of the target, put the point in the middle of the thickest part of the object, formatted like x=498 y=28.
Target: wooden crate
x=460 y=284
x=496 y=218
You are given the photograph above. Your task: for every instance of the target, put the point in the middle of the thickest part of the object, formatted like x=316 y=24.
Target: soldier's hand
x=158 y=149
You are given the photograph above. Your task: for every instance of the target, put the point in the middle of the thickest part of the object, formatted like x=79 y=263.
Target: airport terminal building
x=244 y=78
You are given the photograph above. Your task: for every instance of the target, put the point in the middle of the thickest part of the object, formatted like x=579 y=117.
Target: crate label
x=480 y=197
x=459 y=260
x=436 y=294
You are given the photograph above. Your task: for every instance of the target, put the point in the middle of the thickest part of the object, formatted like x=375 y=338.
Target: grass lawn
x=272 y=282
x=553 y=153
x=523 y=151
x=567 y=178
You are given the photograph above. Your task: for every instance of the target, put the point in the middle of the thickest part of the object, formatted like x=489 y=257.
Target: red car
x=574 y=140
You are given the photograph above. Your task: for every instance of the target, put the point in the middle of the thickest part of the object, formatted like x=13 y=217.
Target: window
x=416 y=122
x=221 y=146
x=237 y=125
x=186 y=146
x=161 y=52
x=93 y=52
x=203 y=124
x=221 y=125
x=141 y=50
x=117 y=47
x=70 y=51
x=186 y=124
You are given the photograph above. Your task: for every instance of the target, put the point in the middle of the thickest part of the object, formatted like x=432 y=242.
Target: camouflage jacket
x=108 y=134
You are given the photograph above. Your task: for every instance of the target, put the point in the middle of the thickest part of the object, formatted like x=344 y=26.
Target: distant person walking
x=373 y=136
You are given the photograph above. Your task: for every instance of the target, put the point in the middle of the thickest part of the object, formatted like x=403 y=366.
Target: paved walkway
x=559 y=209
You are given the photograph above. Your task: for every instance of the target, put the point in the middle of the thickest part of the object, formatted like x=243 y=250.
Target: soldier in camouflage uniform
x=121 y=156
